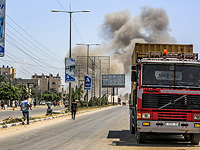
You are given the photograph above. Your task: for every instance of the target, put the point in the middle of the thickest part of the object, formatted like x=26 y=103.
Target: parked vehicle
x=165 y=91
x=42 y=103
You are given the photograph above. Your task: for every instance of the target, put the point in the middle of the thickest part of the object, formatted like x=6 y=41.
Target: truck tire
x=195 y=138
x=141 y=137
x=132 y=128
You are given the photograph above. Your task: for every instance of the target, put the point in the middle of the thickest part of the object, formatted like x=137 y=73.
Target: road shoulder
x=41 y=123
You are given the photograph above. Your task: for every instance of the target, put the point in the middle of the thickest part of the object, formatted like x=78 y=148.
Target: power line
x=60 y=4
x=31 y=65
x=30 y=36
x=11 y=65
x=31 y=46
x=32 y=58
x=27 y=39
x=29 y=52
x=73 y=22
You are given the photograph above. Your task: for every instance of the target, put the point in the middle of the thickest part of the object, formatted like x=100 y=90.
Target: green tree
x=104 y=100
x=23 y=91
x=16 y=93
x=77 y=92
x=94 y=101
x=3 y=80
x=57 y=97
x=8 y=92
x=47 y=97
x=36 y=93
x=51 y=95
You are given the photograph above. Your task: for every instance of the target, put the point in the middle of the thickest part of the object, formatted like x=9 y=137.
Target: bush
x=94 y=101
x=82 y=104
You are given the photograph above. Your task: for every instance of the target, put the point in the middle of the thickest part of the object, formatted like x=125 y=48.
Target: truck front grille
x=172 y=116
x=164 y=101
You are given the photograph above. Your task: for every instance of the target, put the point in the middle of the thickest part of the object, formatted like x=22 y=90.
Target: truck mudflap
x=168 y=126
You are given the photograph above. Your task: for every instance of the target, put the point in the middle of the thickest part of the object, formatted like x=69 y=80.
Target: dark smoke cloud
x=121 y=31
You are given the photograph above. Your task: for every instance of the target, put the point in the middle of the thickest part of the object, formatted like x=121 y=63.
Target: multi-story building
x=42 y=82
x=9 y=72
x=45 y=82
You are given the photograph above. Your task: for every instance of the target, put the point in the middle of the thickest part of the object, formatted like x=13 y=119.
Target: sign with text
x=2 y=27
x=69 y=69
x=113 y=80
x=87 y=81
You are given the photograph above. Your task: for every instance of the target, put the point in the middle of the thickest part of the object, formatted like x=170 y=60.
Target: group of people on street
x=25 y=106
x=2 y=104
x=56 y=104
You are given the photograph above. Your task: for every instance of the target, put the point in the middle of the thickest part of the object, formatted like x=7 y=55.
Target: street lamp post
x=70 y=13
x=88 y=45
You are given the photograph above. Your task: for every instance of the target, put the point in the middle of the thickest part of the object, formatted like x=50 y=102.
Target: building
x=45 y=82
x=9 y=72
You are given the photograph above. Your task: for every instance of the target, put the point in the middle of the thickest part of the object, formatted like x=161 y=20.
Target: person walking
x=74 y=108
x=15 y=104
x=25 y=105
x=2 y=104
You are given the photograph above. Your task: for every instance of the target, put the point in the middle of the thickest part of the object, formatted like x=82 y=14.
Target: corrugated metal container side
x=147 y=47
x=150 y=47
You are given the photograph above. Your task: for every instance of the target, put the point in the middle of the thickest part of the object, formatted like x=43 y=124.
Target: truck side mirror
x=133 y=76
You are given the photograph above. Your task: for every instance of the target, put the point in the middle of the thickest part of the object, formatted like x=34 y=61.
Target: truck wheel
x=195 y=138
x=132 y=129
x=141 y=137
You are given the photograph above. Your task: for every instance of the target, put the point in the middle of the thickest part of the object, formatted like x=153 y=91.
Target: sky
x=37 y=40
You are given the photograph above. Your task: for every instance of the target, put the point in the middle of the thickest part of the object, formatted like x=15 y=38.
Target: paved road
x=101 y=130
x=17 y=113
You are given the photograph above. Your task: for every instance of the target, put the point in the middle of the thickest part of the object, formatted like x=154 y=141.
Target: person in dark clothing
x=15 y=104
x=2 y=104
x=74 y=107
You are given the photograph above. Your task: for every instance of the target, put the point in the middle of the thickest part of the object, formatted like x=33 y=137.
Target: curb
x=42 y=119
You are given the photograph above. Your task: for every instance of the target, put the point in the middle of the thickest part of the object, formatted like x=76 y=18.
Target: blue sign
x=69 y=69
x=87 y=81
x=2 y=27
x=69 y=78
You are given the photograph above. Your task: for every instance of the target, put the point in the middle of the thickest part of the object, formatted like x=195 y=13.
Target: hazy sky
x=37 y=40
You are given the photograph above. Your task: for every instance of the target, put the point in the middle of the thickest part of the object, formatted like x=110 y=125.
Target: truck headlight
x=146 y=115
x=197 y=117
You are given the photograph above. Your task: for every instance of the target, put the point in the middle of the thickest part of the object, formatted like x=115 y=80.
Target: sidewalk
x=37 y=107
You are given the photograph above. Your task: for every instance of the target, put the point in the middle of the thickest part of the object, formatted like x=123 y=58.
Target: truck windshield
x=171 y=75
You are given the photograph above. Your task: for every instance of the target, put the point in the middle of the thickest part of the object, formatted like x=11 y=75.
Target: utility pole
x=88 y=45
x=70 y=14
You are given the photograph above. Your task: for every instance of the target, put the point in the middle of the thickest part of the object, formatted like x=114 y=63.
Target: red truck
x=165 y=95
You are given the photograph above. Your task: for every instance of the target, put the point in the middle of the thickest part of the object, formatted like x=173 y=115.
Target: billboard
x=87 y=81
x=69 y=69
x=113 y=80
x=2 y=27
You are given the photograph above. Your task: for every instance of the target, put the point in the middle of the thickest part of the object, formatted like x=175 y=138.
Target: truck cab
x=166 y=97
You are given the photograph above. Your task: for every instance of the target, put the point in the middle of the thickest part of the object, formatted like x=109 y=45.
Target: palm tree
x=77 y=92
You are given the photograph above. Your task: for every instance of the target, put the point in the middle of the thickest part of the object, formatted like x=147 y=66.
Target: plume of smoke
x=121 y=31
x=152 y=25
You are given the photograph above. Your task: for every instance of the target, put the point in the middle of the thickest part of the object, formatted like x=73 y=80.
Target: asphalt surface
x=106 y=129
x=17 y=113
